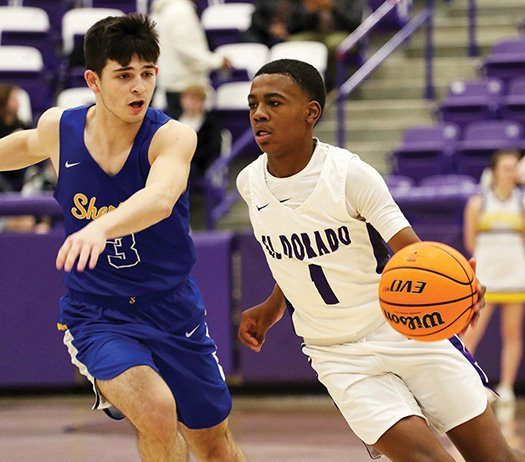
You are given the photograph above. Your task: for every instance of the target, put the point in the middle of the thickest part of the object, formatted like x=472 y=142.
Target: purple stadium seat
x=231 y=106
x=506 y=59
x=425 y=150
x=481 y=139
x=472 y=100
x=25 y=66
x=55 y=10
x=127 y=6
x=448 y=180
x=513 y=106
x=28 y=26
x=436 y=214
x=246 y=58
x=399 y=181
x=225 y=22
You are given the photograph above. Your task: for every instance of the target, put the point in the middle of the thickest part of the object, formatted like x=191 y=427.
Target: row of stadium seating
x=476 y=118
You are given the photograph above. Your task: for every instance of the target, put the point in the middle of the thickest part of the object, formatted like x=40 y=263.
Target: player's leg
x=512 y=340
x=480 y=440
x=411 y=440
x=145 y=399
x=377 y=404
x=213 y=444
x=473 y=335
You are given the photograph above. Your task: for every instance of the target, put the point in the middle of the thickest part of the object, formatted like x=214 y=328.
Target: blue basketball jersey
x=153 y=260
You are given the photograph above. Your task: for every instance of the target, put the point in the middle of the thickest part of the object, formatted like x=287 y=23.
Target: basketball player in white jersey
x=321 y=215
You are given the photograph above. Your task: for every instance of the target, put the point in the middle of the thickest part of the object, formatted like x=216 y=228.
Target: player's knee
x=218 y=448
x=158 y=417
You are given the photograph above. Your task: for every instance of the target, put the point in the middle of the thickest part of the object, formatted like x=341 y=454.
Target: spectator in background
x=494 y=227
x=330 y=22
x=325 y=21
x=209 y=140
x=185 y=56
x=273 y=21
x=9 y=123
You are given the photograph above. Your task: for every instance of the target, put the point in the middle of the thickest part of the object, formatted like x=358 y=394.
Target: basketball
x=427 y=291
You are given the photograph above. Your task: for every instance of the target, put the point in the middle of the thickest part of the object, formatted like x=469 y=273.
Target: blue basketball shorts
x=106 y=336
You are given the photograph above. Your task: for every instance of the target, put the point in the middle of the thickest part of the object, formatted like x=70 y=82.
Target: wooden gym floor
x=278 y=429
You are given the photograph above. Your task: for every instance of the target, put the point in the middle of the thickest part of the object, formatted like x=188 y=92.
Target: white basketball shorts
x=384 y=377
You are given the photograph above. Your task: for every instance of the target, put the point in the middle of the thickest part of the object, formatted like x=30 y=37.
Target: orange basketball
x=427 y=291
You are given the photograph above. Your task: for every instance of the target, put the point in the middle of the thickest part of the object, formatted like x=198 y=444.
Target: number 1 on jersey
x=321 y=284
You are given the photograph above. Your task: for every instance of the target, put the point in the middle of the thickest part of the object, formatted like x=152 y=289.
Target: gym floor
x=281 y=429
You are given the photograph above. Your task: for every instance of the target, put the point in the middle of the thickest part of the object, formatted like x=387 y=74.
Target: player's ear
x=314 y=112
x=92 y=80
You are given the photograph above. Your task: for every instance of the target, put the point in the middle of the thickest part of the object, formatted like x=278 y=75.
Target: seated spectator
x=9 y=123
x=329 y=22
x=273 y=21
x=325 y=21
x=185 y=57
x=209 y=140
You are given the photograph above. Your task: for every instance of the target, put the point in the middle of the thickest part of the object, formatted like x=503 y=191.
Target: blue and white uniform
x=139 y=306
x=322 y=232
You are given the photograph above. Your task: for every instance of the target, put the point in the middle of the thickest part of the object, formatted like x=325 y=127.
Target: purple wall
x=31 y=347
x=31 y=350
x=213 y=273
x=280 y=359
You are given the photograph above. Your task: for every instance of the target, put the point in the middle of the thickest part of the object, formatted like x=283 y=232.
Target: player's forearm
x=143 y=209
x=18 y=150
x=276 y=303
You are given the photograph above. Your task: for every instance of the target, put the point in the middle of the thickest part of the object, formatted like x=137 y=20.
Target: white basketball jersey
x=326 y=260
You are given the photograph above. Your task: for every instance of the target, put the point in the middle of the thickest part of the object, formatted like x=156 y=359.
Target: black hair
x=120 y=39
x=305 y=75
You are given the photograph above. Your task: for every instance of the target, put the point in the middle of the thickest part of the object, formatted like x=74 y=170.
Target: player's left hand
x=480 y=304
x=85 y=246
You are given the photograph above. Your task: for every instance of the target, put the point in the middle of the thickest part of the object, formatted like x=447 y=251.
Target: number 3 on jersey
x=122 y=252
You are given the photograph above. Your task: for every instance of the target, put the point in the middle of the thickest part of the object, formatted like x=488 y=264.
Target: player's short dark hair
x=120 y=39
x=304 y=74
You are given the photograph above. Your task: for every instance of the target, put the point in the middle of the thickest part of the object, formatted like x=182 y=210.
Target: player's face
x=126 y=91
x=281 y=114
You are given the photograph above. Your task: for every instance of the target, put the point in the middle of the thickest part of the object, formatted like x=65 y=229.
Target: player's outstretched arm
x=28 y=147
x=171 y=151
x=256 y=321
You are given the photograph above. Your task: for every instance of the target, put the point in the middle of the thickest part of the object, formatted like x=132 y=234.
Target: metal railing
x=346 y=88
x=219 y=200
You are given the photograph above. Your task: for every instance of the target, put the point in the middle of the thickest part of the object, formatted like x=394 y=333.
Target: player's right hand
x=84 y=246
x=251 y=333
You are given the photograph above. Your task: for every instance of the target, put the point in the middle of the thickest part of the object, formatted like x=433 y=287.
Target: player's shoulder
x=51 y=117
x=49 y=125
x=337 y=153
x=243 y=177
x=174 y=132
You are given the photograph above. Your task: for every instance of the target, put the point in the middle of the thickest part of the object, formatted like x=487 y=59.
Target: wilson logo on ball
x=427 y=321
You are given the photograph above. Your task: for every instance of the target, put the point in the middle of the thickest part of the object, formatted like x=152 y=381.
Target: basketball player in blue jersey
x=134 y=320
x=319 y=213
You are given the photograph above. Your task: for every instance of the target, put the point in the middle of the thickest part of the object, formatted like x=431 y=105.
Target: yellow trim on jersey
x=62 y=326
x=505 y=297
